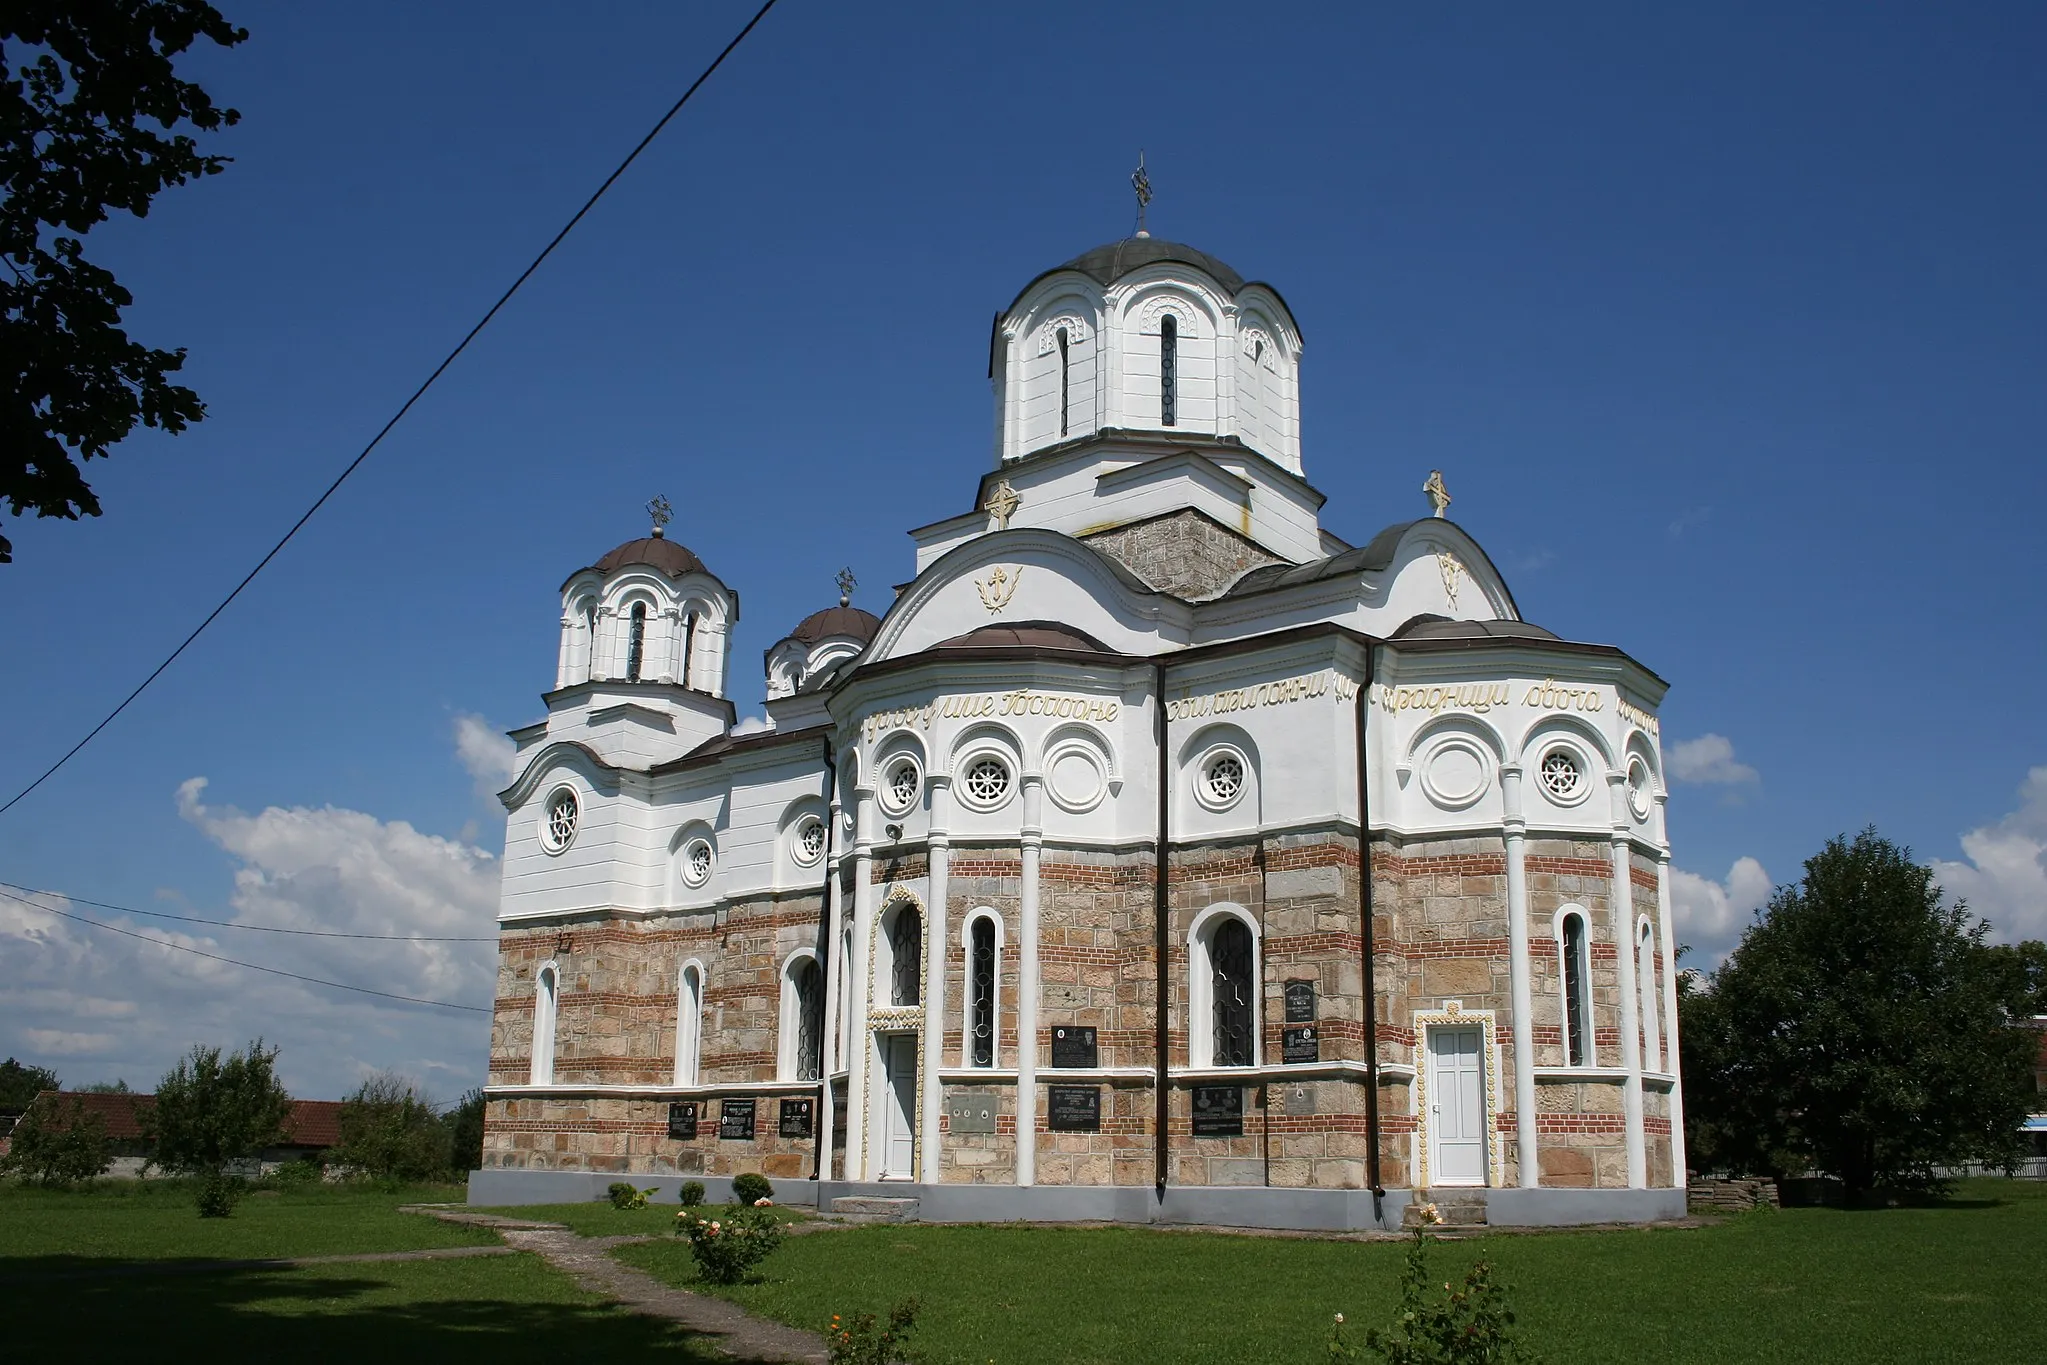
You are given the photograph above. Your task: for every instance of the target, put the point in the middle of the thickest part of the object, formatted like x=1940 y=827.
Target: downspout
x=1159 y=915
x=821 y=1127
x=1367 y=948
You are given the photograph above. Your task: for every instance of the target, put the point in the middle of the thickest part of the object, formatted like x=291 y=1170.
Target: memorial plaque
x=1300 y=1002
x=1299 y=1045
x=970 y=1111
x=1218 y=1111
x=735 y=1120
x=1073 y=1108
x=682 y=1121
x=1073 y=1046
x=799 y=1118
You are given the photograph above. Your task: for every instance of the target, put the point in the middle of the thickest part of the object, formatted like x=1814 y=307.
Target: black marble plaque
x=682 y=1121
x=799 y=1118
x=1073 y=1108
x=1300 y=1002
x=1218 y=1111
x=735 y=1120
x=1073 y=1046
x=1299 y=1045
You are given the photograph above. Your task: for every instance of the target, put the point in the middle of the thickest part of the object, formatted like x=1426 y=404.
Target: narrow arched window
x=1645 y=984
x=1577 y=1000
x=1230 y=960
x=689 y=1023
x=1169 y=369
x=689 y=644
x=981 y=993
x=636 y=642
x=1065 y=379
x=808 y=983
x=906 y=948
x=546 y=991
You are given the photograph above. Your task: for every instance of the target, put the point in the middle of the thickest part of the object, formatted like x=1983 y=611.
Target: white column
x=1516 y=826
x=860 y=980
x=1671 y=1062
x=1027 y=985
x=834 y=990
x=934 y=980
x=1621 y=899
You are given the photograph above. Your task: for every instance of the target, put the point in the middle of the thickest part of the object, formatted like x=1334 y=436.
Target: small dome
x=656 y=552
x=1027 y=635
x=1429 y=626
x=849 y=622
x=1113 y=260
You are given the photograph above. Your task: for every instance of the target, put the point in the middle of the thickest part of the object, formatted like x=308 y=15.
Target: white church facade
x=1155 y=855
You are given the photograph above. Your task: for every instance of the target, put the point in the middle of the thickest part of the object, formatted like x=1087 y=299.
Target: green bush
x=864 y=1341
x=58 y=1147
x=725 y=1249
x=465 y=1132
x=390 y=1133
x=624 y=1196
x=212 y=1111
x=751 y=1188
x=217 y=1193
x=692 y=1193
x=296 y=1174
x=1472 y=1325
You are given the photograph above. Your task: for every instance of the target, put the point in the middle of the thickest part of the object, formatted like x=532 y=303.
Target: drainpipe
x=827 y=1034
x=1159 y=915
x=1367 y=949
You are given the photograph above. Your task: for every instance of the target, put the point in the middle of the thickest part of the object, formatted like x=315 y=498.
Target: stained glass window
x=1169 y=369
x=1064 y=378
x=636 y=642
x=809 y=1019
x=906 y=947
x=1577 y=1007
x=1230 y=957
x=982 y=972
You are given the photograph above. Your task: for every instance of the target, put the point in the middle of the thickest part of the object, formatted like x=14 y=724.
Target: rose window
x=902 y=786
x=561 y=820
x=987 y=781
x=1225 y=778
x=1561 y=776
x=810 y=840
x=696 y=863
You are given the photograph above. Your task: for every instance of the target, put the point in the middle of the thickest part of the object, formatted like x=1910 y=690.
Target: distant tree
x=58 y=1144
x=20 y=1084
x=1862 y=1029
x=73 y=148
x=465 y=1133
x=113 y=1087
x=212 y=1111
x=389 y=1132
x=2025 y=968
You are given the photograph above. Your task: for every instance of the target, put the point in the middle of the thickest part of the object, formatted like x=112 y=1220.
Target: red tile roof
x=311 y=1123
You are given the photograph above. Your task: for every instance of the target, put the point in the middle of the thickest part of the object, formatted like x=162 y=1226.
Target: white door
x=898 y=1106
x=1456 y=1117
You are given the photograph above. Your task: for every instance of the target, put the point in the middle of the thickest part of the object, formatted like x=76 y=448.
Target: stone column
x=834 y=989
x=1516 y=826
x=1671 y=1064
x=1027 y=984
x=934 y=980
x=1622 y=900
x=860 y=979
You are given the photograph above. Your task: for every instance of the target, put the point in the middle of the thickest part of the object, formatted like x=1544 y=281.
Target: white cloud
x=58 y=1043
x=2005 y=879
x=489 y=755
x=1707 y=761
x=1710 y=916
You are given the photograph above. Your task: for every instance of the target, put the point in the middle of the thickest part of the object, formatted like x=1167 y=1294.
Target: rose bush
x=726 y=1249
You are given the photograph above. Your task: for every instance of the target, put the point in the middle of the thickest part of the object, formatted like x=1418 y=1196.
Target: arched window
x=689 y=1022
x=906 y=952
x=1645 y=984
x=1233 y=993
x=546 y=990
x=1577 y=992
x=689 y=644
x=802 y=1018
x=636 y=642
x=981 y=991
x=1065 y=380
x=1169 y=368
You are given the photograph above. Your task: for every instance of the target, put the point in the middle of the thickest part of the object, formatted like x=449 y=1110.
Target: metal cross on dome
x=1141 y=182
x=846 y=583
x=661 y=512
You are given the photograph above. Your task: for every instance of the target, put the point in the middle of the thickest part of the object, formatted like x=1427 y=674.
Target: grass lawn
x=156 y=1220
x=1964 y=1281
x=598 y=1219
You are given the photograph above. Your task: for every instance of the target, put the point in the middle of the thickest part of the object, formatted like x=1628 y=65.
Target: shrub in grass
x=1471 y=1325
x=864 y=1341
x=726 y=1249
x=692 y=1193
x=624 y=1196
x=294 y=1175
x=751 y=1188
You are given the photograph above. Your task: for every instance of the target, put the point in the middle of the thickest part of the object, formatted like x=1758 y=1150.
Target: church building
x=1156 y=855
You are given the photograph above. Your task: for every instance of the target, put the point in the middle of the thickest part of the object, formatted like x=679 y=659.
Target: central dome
x=1112 y=261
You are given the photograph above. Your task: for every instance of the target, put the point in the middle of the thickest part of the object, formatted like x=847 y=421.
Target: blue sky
x=1726 y=324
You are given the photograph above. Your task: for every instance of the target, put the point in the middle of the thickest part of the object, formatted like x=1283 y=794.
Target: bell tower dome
x=1146 y=335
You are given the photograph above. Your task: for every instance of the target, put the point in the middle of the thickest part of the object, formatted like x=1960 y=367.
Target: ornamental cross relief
x=998 y=587
x=1002 y=505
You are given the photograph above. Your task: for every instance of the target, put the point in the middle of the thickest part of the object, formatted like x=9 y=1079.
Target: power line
x=237 y=924
x=406 y=407
x=233 y=962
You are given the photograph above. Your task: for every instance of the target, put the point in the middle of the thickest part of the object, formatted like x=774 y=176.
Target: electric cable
x=234 y=962
x=237 y=924
x=406 y=407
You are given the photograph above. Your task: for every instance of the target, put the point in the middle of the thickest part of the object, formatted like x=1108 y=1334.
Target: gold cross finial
x=1439 y=496
x=1002 y=505
x=847 y=583
x=661 y=512
x=1141 y=182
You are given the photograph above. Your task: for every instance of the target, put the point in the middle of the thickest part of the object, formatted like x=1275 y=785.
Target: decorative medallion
x=1453 y=569
x=998 y=587
x=1002 y=505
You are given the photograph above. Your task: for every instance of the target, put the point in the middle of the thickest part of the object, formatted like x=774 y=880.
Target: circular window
x=696 y=862
x=1640 y=799
x=809 y=840
x=1455 y=774
x=899 y=789
x=1220 y=781
x=1562 y=776
x=1074 y=778
x=558 y=830
x=986 y=782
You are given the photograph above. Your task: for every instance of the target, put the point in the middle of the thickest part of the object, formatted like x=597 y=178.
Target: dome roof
x=1027 y=635
x=654 y=552
x=842 y=621
x=1113 y=260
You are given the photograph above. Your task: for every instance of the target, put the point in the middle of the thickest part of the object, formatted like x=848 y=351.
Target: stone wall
x=1186 y=553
